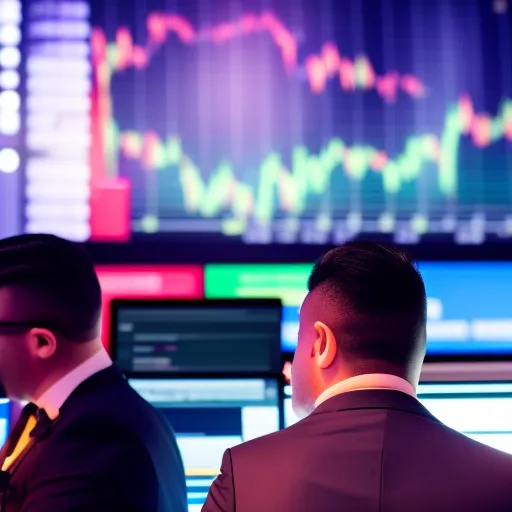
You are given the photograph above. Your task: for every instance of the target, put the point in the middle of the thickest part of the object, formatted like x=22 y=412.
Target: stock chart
x=301 y=121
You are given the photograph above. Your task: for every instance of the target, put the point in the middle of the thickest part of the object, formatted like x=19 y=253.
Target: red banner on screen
x=147 y=281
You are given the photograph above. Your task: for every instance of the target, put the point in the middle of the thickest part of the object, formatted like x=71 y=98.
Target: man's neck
x=367 y=381
x=67 y=363
x=54 y=397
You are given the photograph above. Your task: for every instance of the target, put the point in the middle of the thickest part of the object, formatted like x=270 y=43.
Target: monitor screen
x=482 y=411
x=468 y=302
x=146 y=282
x=5 y=419
x=218 y=336
x=264 y=122
x=210 y=416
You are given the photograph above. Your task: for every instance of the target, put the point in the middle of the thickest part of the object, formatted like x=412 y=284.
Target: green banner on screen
x=285 y=282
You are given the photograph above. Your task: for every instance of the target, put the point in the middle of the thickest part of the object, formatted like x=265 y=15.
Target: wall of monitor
x=468 y=311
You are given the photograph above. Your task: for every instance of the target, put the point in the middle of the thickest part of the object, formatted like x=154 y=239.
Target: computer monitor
x=458 y=326
x=480 y=410
x=211 y=415
x=5 y=419
x=197 y=336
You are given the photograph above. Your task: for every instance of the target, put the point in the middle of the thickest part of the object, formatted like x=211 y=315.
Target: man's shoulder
x=118 y=408
x=403 y=431
x=279 y=440
x=470 y=445
x=433 y=444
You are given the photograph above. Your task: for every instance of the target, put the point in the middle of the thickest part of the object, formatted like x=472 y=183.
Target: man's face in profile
x=13 y=350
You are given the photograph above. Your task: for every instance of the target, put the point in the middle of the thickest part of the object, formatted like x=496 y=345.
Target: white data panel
x=58 y=132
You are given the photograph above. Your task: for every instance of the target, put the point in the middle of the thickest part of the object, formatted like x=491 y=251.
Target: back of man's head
x=51 y=283
x=365 y=313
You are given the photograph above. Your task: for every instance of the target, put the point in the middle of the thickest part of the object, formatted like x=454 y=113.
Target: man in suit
x=365 y=443
x=86 y=442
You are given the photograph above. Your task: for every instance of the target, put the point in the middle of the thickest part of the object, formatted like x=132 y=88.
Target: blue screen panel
x=5 y=419
x=469 y=309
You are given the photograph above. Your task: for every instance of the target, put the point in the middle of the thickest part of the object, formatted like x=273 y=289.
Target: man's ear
x=42 y=343
x=325 y=345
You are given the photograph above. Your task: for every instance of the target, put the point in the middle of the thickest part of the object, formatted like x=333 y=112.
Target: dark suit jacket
x=109 y=450
x=364 y=451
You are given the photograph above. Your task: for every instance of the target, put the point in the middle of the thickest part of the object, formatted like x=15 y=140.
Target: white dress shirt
x=55 y=396
x=367 y=381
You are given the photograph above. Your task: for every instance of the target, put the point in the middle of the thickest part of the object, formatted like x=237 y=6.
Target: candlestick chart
x=255 y=125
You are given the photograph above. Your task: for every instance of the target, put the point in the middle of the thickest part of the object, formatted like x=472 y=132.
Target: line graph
x=352 y=74
x=199 y=120
x=310 y=174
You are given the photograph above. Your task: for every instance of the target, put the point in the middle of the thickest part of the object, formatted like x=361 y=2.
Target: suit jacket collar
x=104 y=379
x=374 y=399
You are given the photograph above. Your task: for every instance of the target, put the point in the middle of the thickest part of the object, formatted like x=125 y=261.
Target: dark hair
x=60 y=280
x=377 y=298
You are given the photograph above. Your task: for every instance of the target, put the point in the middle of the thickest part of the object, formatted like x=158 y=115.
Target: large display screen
x=272 y=122
x=482 y=411
x=210 y=416
x=468 y=303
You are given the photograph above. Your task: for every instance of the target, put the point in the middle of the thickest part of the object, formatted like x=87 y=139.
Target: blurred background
x=213 y=149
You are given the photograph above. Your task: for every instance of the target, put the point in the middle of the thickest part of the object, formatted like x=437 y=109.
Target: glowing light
x=10 y=57
x=9 y=160
x=10 y=123
x=9 y=101
x=9 y=79
x=10 y=35
x=10 y=11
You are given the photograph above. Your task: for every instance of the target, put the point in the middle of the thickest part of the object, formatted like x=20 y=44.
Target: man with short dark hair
x=365 y=443
x=86 y=442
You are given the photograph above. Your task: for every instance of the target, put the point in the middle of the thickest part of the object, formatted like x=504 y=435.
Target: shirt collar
x=55 y=396
x=367 y=381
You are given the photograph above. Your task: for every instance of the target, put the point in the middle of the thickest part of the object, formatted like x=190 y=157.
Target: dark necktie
x=33 y=423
